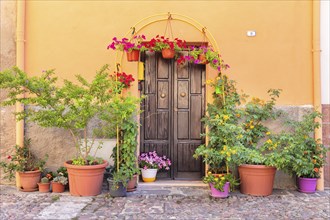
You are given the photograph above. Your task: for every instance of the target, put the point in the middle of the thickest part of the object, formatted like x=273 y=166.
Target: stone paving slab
x=163 y=202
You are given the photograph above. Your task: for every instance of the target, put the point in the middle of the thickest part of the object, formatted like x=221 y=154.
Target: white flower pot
x=149 y=175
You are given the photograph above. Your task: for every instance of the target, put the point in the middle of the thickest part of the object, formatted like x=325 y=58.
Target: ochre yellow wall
x=72 y=37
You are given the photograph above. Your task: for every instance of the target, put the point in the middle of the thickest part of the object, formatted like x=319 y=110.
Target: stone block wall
x=7 y=60
x=326 y=141
x=283 y=180
x=55 y=142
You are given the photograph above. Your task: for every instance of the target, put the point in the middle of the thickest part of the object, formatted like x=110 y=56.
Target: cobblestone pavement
x=163 y=202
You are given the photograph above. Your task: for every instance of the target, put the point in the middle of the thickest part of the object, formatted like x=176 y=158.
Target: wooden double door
x=171 y=114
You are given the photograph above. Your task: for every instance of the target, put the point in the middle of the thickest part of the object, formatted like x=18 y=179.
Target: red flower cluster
x=126 y=79
x=160 y=42
x=181 y=60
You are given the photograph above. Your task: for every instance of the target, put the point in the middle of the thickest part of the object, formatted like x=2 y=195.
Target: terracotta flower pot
x=29 y=180
x=131 y=185
x=44 y=187
x=58 y=187
x=168 y=53
x=149 y=175
x=257 y=180
x=202 y=59
x=85 y=180
x=133 y=55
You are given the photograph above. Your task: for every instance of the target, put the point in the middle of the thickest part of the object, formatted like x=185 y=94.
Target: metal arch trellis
x=152 y=20
x=163 y=17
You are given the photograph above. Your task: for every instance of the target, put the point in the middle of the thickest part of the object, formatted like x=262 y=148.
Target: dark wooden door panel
x=186 y=162
x=183 y=94
x=172 y=111
x=188 y=112
x=196 y=79
x=150 y=76
x=163 y=94
x=182 y=72
x=196 y=116
x=183 y=125
x=150 y=117
x=163 y=126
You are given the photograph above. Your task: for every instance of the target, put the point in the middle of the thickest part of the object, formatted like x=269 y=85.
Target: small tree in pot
x=70 y=106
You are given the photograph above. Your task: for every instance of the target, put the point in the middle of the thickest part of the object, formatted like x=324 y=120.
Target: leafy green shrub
x=302 y=155
x=70 y=106
x=22 y=160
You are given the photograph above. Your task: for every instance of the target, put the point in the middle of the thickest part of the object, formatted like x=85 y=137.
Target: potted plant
x=259 y=156
x=166 y=46
x=59 y=183
x=224 y=138
x=303 y=156
x=132 y=48
x=124 y=112
x=221 y=119
x=150 y=163
x=62 y=171
x=44 y=185
x=71 y=107
x=204 y=55
x=118 y=184
x=27 y=166
x=241 y=129
x=220 y=184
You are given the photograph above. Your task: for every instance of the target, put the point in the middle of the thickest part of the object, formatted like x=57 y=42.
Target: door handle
x=163 y=95
x=182 y=94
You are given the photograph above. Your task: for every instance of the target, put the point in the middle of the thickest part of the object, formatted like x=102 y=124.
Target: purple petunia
x=151 y=160
x=197 y=61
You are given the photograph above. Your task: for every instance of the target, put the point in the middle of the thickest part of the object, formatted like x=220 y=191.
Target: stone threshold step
x=169 y=183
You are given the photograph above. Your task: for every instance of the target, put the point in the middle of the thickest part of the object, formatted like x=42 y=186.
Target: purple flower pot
x=217 y=193
x=307 y=185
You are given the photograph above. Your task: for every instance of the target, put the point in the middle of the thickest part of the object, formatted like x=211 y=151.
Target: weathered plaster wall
x=55 y=142
x=7 y=59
